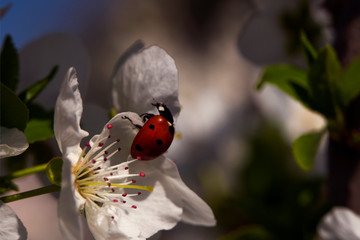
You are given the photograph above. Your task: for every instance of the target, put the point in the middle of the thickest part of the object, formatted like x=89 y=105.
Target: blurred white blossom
x=11 y=227
x=340 y=223
x=294 y=118
x=12 y=142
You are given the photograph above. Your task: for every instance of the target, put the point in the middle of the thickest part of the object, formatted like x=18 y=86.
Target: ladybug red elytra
x=156 y=136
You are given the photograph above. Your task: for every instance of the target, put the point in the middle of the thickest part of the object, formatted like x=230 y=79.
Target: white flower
x=11 y=227
x=142 y=76
x=341 y=224
x=12 y=142
x=100 y=179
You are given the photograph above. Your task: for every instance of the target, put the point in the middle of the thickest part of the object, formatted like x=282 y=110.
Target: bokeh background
x=235 y=145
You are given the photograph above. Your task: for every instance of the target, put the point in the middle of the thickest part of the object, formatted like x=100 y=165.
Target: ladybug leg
x=154 y=102
x=135 y=125
x=146 y=116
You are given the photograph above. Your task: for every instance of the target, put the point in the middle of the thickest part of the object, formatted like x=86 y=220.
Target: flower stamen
x=147 y=188
x=98 y=182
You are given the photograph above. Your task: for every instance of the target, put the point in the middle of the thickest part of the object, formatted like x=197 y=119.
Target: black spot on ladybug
x=138 y=147
x=151 y=126
x=159 y=142
x=171 y=130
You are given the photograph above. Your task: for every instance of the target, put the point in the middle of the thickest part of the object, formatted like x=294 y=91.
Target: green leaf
x=305 y=148
x=39 y=112
x=53 y=170
x=303 y=95
x=309 y=50
x=324 y=78
x=350 y=82
x=9 y=64
x=282 y=74
x=39 y=130
x=34 y=90
x=14 y=113
x=285 y=77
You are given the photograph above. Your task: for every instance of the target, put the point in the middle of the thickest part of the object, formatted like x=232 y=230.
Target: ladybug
x=155 y=136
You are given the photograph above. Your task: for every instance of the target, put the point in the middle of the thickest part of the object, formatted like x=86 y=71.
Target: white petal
x=155 y=211
x=12 y=142
x=68 y=111
x=121 y=130
x=195 y=210
x=340 y=223
x=158 y=210
x=11 y=226
x=163 y=175
x=144 y=76
x=101 y=224
x=70 y=201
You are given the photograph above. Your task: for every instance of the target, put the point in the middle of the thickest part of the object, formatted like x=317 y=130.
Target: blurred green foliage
x=296 y=20
x=325 y=87
x=38 y=130
x=9 y=64
x=31 y=92
x=305 y=148
x=19 y=111
x=273 y=199
x=286 y=77
x=14 y=113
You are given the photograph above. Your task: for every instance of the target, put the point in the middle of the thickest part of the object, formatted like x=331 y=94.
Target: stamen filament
x=94 y=149
x=103 y=150
x=80 y=170
x=147 y=188
x=82 y=154
x=117 y=166
x=94 y=175
x=86 y=185
x=112 y=154
x=94 y=197
x=98 y=163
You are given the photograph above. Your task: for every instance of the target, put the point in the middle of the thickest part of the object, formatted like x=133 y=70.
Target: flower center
x=99 y=182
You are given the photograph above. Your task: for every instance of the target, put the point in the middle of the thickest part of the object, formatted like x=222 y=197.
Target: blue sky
x=28 y=20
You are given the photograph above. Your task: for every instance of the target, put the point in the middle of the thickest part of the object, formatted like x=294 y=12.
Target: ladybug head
x=164 y=111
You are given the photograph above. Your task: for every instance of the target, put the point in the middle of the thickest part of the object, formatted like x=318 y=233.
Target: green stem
x=27 y=171
x=31 y=193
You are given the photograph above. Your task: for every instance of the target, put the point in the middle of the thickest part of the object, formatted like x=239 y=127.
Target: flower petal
x=146 y=75
x=11 y=226
x=12 y=142
x=68 y=111
x=158 y=210
x=123 y=131
x=163 y=175
x=195 y=210
x=154 y=211
x=103 y=223
x=70 y=201
x=340 y=223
